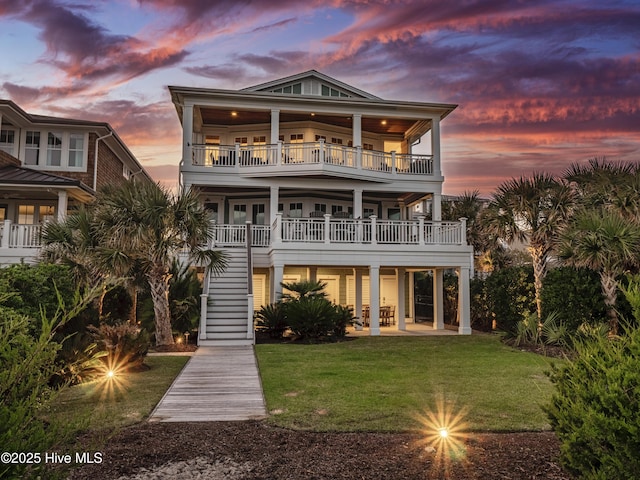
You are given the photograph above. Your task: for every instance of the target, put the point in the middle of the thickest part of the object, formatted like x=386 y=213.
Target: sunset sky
x=540 y=84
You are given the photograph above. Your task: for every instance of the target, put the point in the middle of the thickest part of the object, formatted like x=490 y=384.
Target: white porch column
x=357 y=203
x=187 y=134
x=275 y=126
x=438 y=299
x=312 y=274
x=436 y=207
x=400 y=313
x=274 y=192
x=464 y=305
x=357 y=308
x=276 y=280
x=435 y=146
x=412 y=299
x=357 y=129
x=374 y=300
x=62 y=205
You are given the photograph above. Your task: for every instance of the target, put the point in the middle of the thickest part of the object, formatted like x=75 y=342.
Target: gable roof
x=326 y=79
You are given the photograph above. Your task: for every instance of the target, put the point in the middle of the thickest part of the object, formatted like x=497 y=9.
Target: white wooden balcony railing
x=15 y=235
x=344 y=231
x=317 y=153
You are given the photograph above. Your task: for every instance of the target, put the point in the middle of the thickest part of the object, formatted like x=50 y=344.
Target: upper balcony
x=311 y=158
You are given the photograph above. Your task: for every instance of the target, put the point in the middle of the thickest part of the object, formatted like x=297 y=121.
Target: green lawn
x=390 y=383
x=126 y=399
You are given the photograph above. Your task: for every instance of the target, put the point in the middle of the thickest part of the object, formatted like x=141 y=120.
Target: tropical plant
x=303 y=288
x=271 y=320
x=145 y=225
x=604 y=241
x=531 y=210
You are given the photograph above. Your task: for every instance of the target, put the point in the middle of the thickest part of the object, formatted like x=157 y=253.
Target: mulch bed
x=256 y=450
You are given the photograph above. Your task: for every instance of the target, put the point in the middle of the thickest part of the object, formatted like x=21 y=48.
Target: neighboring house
x=326 y=176
x=49 y=166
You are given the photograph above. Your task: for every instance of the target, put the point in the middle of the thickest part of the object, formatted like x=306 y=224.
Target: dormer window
x=62 y=150
x=7 y=141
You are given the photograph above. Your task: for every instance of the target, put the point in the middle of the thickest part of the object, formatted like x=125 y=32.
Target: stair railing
x=248 y=236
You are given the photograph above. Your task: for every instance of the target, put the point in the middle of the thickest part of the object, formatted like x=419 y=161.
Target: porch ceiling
x=381 y=126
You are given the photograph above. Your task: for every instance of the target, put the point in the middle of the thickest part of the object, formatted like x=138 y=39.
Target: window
x=126 y=172
x=335 y=209
x=26 y=214
x=294 y=88
x=295 y=210
x=241 y=140
x=54 y=149
x=332 y=92
x=76 y=149
x=367 y=212
x=296 y=138
x=46 y=213
x=258 y=214
x=320 y=207
x=32 y=148
x=367 y=146
x=393 y=213
x=212 y=140
x=337 y=141
x=3 y=212
x=239 y=214
x=321 y=137
x=281 y=138
x=212 y=210
x=261 y=140
x=7 y=141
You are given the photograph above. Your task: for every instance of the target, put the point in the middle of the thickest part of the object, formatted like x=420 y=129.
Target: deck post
x=203 y=315
x=6 y=234
x=463 y=230
x=327 y=228
x=400 y=313
x=357 y=272
x=374 y=229
x=421 y=230
x=464 y=308
x=374 y=300
x=438 y=299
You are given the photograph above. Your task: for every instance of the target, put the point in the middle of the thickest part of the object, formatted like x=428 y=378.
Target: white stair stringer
x=227 y=304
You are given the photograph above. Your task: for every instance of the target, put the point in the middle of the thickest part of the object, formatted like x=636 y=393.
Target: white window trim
x=42 y=158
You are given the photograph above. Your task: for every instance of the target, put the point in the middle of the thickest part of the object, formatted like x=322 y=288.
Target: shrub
x=271 y=320
x=575 y=295
x=595 y=411
x=481 y=315
x=510 y=296
x=343 y=318
x=126 y=345
x=310 y=317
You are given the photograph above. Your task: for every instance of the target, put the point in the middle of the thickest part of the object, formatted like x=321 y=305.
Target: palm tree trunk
x=539 y=260
x=610 y=291
x=133 y=313
x=158 y=279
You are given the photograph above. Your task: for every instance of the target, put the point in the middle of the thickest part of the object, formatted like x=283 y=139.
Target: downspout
x=95 y=160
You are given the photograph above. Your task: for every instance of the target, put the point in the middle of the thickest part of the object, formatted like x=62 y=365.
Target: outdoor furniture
x=385 y=315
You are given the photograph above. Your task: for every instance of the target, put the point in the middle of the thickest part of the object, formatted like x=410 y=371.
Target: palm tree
x=530 y=210
x=144 y=224
x=603 y=240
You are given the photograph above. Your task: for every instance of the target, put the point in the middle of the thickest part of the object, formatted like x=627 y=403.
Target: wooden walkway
x=217 y=384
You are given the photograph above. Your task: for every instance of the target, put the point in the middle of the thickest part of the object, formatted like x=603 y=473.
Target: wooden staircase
x=225 y=317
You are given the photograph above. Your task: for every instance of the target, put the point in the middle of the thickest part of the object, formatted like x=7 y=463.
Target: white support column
x=400 y=310
x=464 y=305
x=275 y=126
x=274 y=192
x=62 y=205
x=374 y=300
x=358 y=291
x=357 y=203
x=312 y=274
x=435 y=146
x=187 y=134
x=436 y=207
x=357 y=129
x=5 y=234
x=412 y=299
x=276 y=280
x=438 y=299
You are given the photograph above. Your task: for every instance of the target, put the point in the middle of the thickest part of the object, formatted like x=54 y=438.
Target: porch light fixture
x=234 y=114
x=313 y=114
x=383 y=122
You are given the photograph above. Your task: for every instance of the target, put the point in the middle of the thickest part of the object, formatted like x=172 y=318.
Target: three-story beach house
x=307 y=177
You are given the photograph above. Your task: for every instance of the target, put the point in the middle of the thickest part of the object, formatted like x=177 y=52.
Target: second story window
x=54 y=149
x=76 y=149
x=7 y=141
x=32 y=148
x=296 y=138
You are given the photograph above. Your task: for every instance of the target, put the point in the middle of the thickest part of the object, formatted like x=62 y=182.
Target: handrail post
x=421 y=230
x=327 y=228
x=393 y=162
x=463 y=230
x=6 y=234
x=237 y=159
x=277 y=229
x=374 y=229
x=359 y=157
x=322 y=153
x=279 y=153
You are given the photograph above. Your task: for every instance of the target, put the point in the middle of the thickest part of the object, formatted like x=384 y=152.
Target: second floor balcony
x=299 y=157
